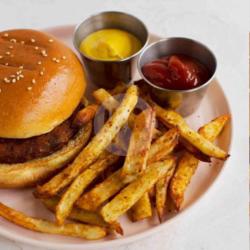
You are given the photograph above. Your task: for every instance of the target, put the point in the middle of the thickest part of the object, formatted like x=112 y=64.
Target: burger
x=42 y=84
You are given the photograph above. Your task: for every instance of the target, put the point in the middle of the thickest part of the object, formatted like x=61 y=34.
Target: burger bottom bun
x=31 y=173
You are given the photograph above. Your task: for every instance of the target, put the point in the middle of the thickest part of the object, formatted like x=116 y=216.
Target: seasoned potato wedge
x=95 y=147
x=211 y=130
x=161 y=189
x=188 y=163
x=93 y=199
x=85 y=115
x=163 y=146
x=103 y=97
x=123 y=201
x=142 y=209
x=68 y=199
x=113 y=184
x=173 y=119
x=159 y=150
x=139 y=145
x=88 y=232
x=77 y=214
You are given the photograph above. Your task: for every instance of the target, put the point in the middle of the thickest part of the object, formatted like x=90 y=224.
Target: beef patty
x=22 y=150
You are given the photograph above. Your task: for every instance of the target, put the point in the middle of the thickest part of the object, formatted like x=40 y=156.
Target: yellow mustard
x=110 y=44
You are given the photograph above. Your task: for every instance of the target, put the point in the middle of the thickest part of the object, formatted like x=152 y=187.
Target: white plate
x=214 y=104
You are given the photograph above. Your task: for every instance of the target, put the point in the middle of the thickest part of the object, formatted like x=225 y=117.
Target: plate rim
x=131 y=238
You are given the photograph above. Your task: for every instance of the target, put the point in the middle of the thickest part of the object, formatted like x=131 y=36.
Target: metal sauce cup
x=106 y=73
x=184 y=101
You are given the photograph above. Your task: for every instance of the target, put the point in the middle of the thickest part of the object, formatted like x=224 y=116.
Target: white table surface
x=219 y=220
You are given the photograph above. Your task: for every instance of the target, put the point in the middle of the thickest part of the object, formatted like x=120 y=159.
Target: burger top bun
x=41 y=83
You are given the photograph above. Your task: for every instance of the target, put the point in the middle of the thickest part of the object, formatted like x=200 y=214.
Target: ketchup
x=177 y=72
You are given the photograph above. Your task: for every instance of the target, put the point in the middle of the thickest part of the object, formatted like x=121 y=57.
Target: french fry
x=71 y=229
x=30 y=173
x=77 y=214
x=212 y=130
x=82 y=215
x=68 y=199
x=135 y=190
x=163 y=146
x=186 y=168
x=142 y=209
x=95 y=147
x=136 y=159
x=138 y=150
x=103 y=97
x=85 y=115
x=120 y=87
x=159 y=150
x=173 y=119
x=161 y=188
x=93 y=199
x=188 y=163
x=110 y=103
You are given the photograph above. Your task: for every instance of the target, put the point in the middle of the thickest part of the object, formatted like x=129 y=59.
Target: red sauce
x=177 y=72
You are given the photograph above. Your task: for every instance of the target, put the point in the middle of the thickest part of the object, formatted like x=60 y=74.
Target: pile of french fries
x=99 y=186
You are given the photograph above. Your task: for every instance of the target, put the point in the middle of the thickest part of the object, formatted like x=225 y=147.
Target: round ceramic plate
x=214 y=104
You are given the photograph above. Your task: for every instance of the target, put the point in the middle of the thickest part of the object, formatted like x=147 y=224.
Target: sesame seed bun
x=41 y=83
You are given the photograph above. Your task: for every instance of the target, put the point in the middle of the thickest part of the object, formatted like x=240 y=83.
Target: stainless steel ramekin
x=184 y=101
x=108 y=73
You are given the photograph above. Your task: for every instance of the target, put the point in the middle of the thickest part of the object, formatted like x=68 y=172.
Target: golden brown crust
x=43 y=94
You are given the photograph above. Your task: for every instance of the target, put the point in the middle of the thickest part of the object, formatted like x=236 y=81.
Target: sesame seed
x=53 y=59
x=39 y=62
x=41 y=73
x=21 y=67
x=13 y=40
x=36 y=48
x=19 y=72
x=51 y=40
x=22 y=42
x=13 y=80
x=29 y=88
x=32 y=40
x=18 y=78
x=12 y=76
x=7 y=53
x=57 y=60
x=21 y=76
x=6 y=64
x=63 y=57
x=0 y=90
x=10 y=47
x=33 y=81
x=5 y=34
x=1 y=57
x=6 y=80
x=44 y=53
